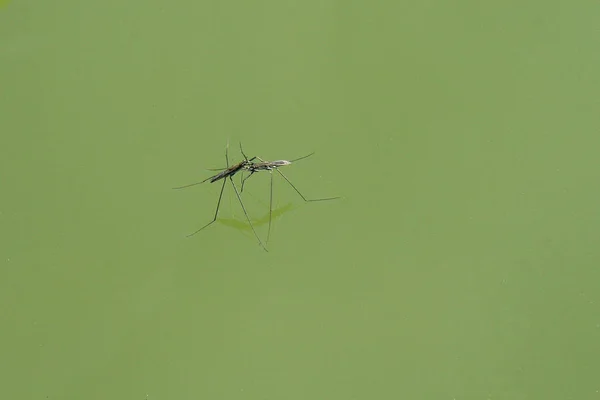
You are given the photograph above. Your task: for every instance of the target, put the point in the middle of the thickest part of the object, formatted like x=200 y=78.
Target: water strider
x=251 y=166
x=227 y=173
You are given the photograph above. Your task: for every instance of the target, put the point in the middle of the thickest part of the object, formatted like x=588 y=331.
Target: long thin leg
x=220 y=194
x=246 y=214
x=244 y=180
x=302 y=158
x=193 y=184
x=226 y=156
x=270 y=208
x=245 y=156
x=242 y=151
x=301 y=195
x=216 y=212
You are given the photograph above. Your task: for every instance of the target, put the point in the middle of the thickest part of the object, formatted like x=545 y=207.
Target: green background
x=461 y=262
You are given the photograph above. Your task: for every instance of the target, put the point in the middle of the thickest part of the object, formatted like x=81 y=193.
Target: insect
x=271 y=166
x=224 y=175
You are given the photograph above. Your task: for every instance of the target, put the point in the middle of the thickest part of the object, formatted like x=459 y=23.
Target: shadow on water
x=264 y=220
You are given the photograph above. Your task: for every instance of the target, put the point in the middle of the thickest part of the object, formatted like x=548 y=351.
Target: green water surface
x=461 y=262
